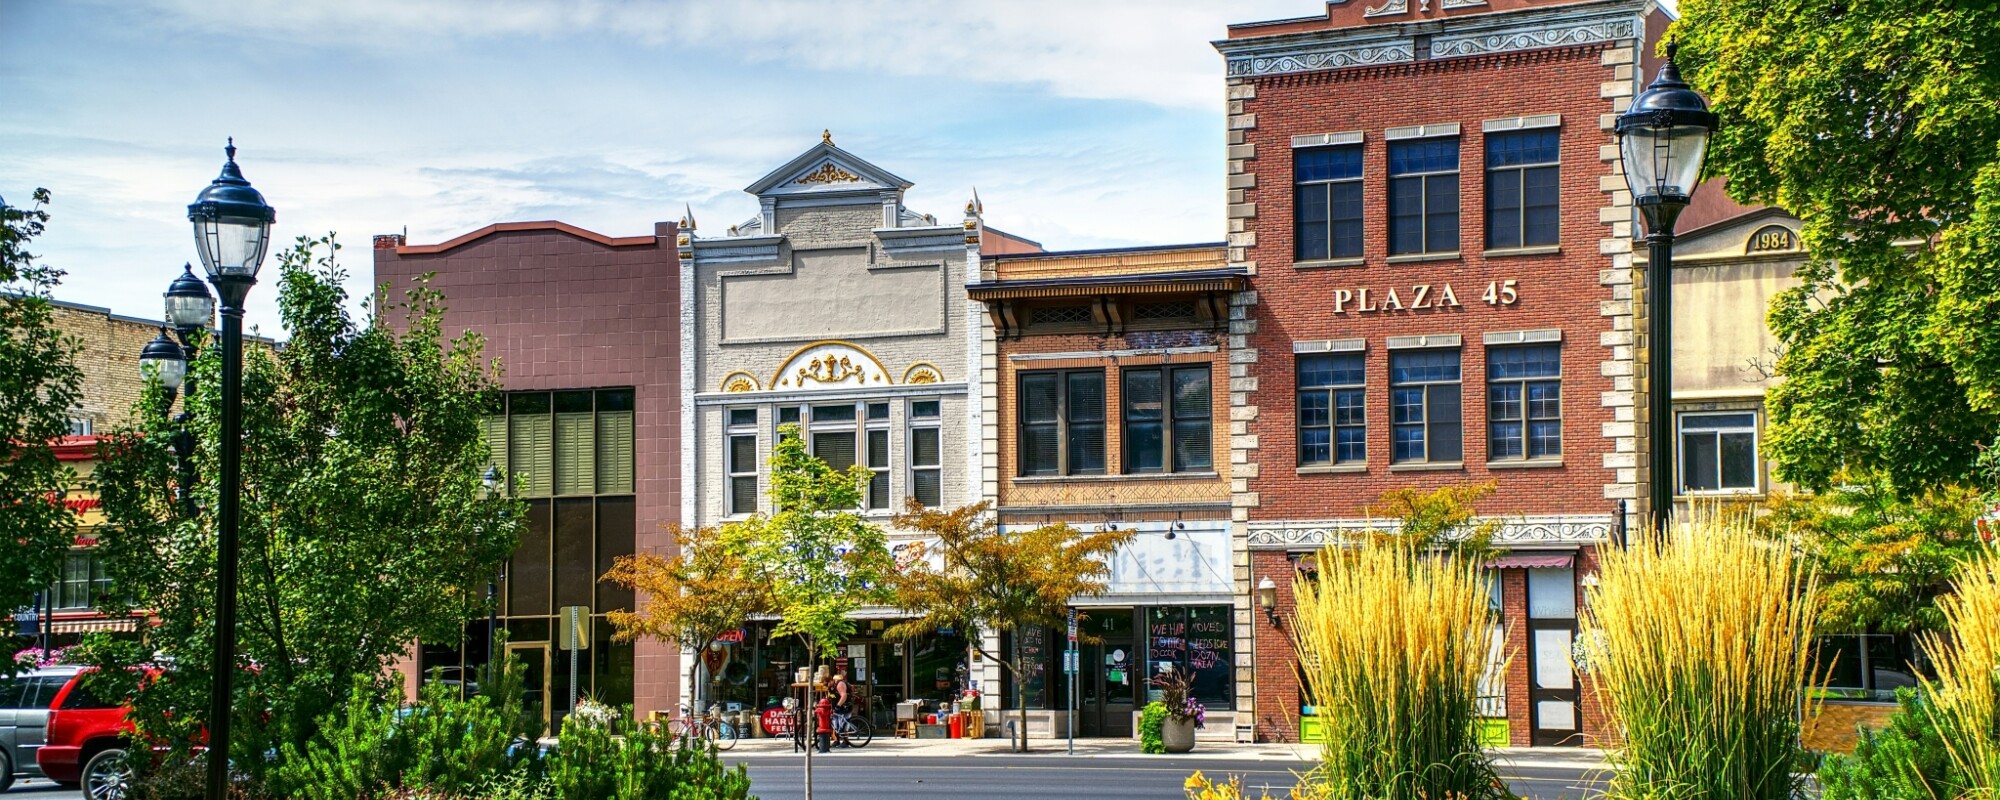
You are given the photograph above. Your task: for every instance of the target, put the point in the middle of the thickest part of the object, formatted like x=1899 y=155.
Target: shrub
x=1151 y=720
x=1393 y=640
x=611 y=759
x=1906 y=760
x=1699 y=644
x=1965 y=696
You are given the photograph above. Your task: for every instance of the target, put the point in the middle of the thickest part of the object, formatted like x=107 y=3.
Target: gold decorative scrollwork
x=922 y=373
x=827 y=173
x=829 y=369
x=739 y=382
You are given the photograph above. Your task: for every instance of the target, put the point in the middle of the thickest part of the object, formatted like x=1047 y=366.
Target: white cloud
x=1142 y=50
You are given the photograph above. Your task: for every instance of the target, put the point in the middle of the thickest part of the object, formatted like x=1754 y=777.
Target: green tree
x=1000 y=580
x=1878 y=124
x=1445 y=517
x=38 y=388
x=693 y=595
x=1882 y=560
x=364 y=522
x=821 y=560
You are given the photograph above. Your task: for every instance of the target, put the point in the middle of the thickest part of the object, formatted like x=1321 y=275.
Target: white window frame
x=935 y=424
x=1756 y=486
x=734 y=471
x=865 y=454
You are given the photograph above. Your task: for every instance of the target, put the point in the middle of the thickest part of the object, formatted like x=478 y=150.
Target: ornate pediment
x=1547 y=530
x=822 y=365
x=826 y=169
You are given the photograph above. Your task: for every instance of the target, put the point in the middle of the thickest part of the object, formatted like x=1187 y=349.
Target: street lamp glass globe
x=232 y=224
x=1663 y=139
x=161 y=361
x=189 y=305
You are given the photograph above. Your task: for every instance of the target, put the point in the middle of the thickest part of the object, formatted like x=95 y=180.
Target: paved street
x=883 y=772
x=856 y=775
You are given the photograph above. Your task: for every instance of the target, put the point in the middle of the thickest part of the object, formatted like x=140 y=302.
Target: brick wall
x=563 y=308
x=108 y=357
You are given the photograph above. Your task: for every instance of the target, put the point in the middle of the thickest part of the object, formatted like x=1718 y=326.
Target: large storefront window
x=1867 y=667
x=1194 y=640
x=758 y=672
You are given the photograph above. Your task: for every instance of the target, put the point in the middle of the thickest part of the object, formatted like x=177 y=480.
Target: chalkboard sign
x=1032 y=645
x=1196 y=641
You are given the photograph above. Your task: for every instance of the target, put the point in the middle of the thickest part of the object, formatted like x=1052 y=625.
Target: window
x=1521 y=192
x=1167 y=420
x=80 y=426
x=742 y=464
x=1077 y=314
x=878 y=457
x=926 y=456
x=1524 y=402
x=577 y=442
x=1424 y=406
x=788 y=415
x=1061 y=423
x=833 y=435
x=1332 y=426
x=83 y=582
x=1326 y=195
x=1870 y=666
x=1423 y=196
x=1719 y=452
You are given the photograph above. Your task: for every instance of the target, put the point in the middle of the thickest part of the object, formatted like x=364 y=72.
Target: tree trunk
x=1021 y=713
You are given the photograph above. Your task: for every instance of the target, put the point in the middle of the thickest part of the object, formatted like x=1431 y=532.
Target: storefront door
x=1110 y=674
x=534 y=656
x=1552 y=693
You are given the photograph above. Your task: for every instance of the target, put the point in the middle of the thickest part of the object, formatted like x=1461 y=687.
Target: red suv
x=86 y=743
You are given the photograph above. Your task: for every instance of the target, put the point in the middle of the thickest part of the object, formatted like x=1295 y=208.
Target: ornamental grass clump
x=1393 y=640
x=1699 y=655
x=1965 y=695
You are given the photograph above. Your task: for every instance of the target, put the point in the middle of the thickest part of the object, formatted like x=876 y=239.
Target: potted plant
x=1183 y=714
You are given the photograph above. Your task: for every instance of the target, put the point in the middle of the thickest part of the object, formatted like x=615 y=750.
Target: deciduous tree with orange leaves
x=693 y=596
x=992 y=578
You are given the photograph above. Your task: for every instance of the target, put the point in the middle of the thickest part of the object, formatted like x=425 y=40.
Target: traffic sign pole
x=1070 y=670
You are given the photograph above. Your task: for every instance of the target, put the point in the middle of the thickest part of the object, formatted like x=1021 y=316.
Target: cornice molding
x=1390 y=42
x=1557 y=529
x=1592 y=32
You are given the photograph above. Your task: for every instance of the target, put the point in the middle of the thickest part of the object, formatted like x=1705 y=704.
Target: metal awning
x=125 y=625
x=1532 y=561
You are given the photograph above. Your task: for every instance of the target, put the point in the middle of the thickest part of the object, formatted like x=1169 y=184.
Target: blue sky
x=1082 y=124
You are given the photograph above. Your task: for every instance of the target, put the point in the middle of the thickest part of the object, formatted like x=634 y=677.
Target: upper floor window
x=833 y=435
x=1326 y=196
x=562 y=443
x=1522 y=194
x=1333 y=427
x=1167 y=420
x=926 y=453
x=1424 y=406
x=1524 y=402
x=1423 y=196
x=742 y=460
x=878 y=456
x=1062 y=423
x=1719 y=452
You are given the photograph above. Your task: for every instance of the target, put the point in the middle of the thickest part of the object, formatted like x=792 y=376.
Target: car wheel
x=6 y=772
x=107 y=777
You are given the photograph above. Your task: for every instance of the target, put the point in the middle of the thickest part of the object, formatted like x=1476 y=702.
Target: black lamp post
x=232 y=228
x=492 y=482
x=1663 y=138
x=190 y=309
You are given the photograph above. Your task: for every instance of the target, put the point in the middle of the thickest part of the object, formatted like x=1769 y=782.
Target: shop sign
x=1419 y=297
x=730 y=637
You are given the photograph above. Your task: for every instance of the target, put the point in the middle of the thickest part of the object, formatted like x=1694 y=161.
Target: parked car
x=24 y=719
x=86 y=742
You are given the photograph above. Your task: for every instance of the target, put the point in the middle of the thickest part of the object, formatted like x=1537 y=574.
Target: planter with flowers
x=1169 y=723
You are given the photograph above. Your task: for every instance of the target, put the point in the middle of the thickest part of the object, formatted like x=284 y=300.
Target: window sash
x=742 y=471
x=1719 y=454
x=926 y=459
x=1425 y=407
x=1523 y=206
x=1168 y=419
x=1423 y=200
x=1328 y=220
x=1060 y=418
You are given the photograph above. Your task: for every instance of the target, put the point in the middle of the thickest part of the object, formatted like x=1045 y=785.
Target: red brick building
x=1428 y=198
x=586 y=328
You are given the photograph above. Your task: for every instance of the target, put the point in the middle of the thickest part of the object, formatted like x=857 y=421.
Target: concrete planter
x=1177 y=735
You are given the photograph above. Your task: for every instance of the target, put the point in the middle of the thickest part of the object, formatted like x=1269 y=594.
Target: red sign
x=730 y=637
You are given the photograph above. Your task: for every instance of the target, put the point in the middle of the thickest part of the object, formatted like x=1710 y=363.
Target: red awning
x=1532 y=561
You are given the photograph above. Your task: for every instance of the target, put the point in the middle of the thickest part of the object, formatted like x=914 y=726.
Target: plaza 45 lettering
x=1367 y=299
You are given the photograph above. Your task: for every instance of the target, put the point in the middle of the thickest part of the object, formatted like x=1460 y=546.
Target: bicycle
x=710 y=727
x=852 y=731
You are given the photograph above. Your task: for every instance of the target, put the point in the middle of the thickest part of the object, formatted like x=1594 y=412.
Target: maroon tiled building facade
x=1429 y=201
x=573 y=317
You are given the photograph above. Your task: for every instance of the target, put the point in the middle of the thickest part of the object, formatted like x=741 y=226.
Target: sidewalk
x=1302 y=754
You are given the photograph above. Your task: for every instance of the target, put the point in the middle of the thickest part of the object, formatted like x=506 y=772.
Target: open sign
x=730 y=637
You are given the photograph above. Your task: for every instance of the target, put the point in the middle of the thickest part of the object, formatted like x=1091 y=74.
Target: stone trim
x=1548 y=529
x=1242 y=385
x=1326 y=139
x=1591 y=32
x=1423 y=341
x=1421 y=131
x=1523 y=337
x=1330 y=346
x=1521 y=123
x=1623 y=306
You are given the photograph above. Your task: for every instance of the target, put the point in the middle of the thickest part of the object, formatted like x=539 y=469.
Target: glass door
x=1111 y=673
x=535 y=686
x=1552 y=693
